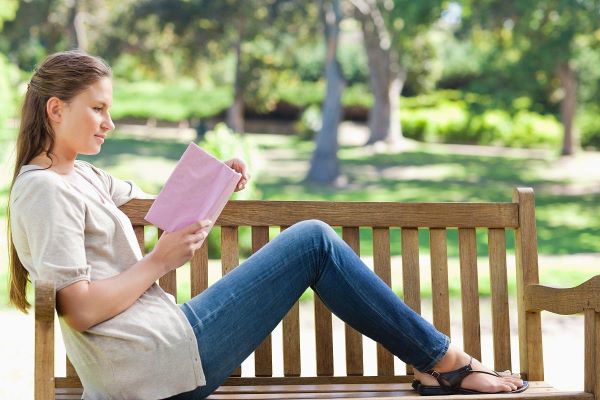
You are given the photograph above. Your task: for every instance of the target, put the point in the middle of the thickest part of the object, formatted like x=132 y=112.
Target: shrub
x=532 y=130
x=173 y=102
x=454 y=117
x=491 y=127
x=445 y=122
x=224 y=144
x=588 y=124
x=8 y=80
x=310 y=122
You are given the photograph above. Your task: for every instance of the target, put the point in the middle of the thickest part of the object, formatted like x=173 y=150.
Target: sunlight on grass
x=567 y=224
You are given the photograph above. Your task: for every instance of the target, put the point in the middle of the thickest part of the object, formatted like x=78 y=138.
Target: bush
x=588 y=124
x=532 y=130
x=310 y=123
x=225 y=144
x=168 y=102
x=491 y=127
x=8 y=79
x=446 y=122
x=454 y=117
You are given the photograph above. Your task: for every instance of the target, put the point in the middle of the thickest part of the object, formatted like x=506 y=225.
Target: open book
x=198 y=188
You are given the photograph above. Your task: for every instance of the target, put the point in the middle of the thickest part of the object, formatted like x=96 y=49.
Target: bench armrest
x=566 y=301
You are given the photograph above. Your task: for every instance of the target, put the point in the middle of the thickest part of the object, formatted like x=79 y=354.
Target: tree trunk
x=386 y=76
x=71 y=28
x=235 y=113
x=324 y=165
x=568 y=106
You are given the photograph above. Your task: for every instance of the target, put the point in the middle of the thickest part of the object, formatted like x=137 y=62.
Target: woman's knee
x=314 y=228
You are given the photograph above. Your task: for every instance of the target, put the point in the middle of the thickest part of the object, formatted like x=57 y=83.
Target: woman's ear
x=54 y=109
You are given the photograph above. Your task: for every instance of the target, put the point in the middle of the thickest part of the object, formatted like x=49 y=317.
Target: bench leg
x=44 y=341
x=592 y=352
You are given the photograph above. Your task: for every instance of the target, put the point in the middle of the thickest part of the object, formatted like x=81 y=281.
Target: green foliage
x=170 y=102
x=310 y=122
x=588 y=124
x=8 y=11
x=452 y=117
x=225 y=144
x=302 y=93
x=9 y=75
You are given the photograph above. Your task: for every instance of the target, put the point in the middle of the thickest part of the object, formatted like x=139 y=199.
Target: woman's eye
x=97 y=109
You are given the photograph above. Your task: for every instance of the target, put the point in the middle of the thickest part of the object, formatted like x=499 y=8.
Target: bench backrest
x=439 y=219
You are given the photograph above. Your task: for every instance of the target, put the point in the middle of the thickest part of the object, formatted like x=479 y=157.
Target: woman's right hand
x=173 y=249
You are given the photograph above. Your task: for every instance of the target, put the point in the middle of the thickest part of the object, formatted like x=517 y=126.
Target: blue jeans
x=234 y=315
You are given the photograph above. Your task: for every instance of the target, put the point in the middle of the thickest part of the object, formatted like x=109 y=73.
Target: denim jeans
x=234 y=315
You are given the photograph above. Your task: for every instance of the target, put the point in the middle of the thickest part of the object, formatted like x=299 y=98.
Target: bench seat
x=384 y=391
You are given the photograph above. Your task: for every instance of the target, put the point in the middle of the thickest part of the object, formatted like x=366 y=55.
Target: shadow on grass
x=115 y=148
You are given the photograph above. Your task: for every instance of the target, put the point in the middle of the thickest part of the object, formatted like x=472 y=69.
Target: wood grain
x=499 y=289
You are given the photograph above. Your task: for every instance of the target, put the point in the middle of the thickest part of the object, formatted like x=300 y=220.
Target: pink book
x=198 y=188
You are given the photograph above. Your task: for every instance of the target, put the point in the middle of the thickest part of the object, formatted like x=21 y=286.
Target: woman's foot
x=455 y=359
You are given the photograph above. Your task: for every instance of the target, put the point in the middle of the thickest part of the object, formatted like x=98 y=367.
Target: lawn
x=567 y=195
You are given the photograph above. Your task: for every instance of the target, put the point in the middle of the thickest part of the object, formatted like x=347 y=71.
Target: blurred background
x=354 y=100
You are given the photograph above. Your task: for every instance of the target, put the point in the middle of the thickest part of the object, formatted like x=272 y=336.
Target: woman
x=126 y=338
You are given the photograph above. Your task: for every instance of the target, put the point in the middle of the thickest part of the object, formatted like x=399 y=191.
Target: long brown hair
x=63 y=75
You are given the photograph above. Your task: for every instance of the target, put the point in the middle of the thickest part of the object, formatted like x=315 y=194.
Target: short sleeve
x=48 y=225
x=121 y=191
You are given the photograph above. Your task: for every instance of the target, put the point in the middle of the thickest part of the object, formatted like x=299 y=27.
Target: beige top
x=67 y=229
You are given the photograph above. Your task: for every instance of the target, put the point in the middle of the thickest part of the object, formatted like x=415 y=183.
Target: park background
x=354 y=100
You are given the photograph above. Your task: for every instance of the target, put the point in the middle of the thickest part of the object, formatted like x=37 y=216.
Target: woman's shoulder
x=88 y=169
x=36 y=183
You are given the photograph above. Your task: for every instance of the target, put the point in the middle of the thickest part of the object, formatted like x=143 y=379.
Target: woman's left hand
x=240 y=167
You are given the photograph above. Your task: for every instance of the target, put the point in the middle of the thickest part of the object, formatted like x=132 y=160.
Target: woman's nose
x=108 y=124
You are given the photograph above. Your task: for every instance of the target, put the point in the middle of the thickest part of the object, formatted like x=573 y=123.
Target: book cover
x=198 y=188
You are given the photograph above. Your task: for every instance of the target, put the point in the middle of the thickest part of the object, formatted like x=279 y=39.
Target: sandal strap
x=453 y=379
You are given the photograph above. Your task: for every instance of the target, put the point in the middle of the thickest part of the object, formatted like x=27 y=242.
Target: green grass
x=567 y=224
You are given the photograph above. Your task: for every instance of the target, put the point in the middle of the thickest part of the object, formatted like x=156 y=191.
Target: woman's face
x=85 y=120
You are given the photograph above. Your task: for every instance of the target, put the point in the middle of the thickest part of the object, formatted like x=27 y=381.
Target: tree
x=546 y=33
x=390 y=28
x=324 y=164
x=206 y=29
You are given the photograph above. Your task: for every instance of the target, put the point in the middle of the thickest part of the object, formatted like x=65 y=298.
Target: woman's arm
x=84 y=304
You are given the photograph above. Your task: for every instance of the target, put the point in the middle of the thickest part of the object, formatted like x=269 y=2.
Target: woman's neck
x=57 y=164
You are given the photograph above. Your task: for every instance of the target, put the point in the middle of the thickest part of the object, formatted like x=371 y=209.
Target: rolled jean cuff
x=441 y=352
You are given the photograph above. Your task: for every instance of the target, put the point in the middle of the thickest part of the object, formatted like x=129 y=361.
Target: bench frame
x=532 y=297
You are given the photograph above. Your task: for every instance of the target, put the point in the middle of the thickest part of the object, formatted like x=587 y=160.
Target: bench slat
x=499 y=289
x=263 y=365
x=381 y=262
x=323 y=338
x=439 y=279
x=411 y=281
x=169 y=280
x=469 y=292
x=354 y=351
x=291 y=338
x=230 y=259
x=199 y=270
x=530 y=323
x=70 y=369
x=139 y=234
x=432 y=215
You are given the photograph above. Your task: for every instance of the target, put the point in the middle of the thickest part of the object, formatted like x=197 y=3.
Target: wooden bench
x=388 y=383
